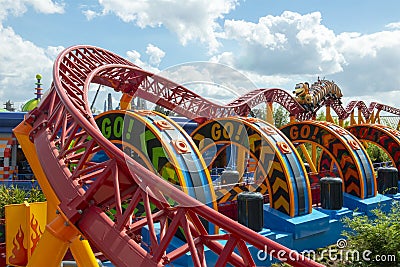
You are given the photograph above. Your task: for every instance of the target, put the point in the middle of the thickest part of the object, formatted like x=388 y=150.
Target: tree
x=379 y=236
x=164 y=111
x=281 y=116
x=258 y=113
x=321 y=116
x=376 y=154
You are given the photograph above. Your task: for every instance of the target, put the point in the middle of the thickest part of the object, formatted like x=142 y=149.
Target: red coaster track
x=185 y=102
x=135 y=81
x=66 y=137
x=344 y=113
x=125 y=77
x=327 y=93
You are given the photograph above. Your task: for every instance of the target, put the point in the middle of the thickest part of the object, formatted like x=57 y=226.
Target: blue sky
x=275 y=43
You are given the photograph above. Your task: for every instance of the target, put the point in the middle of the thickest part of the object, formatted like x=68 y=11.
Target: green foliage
x=371 y=242
x=281 y=116
x=258 y=113
x=35 y=195
x=346 y=123
x=380 y=236
x=164 y=111
x=321 y=116
x=377 y=154
x=280 y=265
x=15 y=195
x=308 y=148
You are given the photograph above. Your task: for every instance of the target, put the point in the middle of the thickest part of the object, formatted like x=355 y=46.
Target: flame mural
x=25 y=224
x=36 y=234
x=19 y=252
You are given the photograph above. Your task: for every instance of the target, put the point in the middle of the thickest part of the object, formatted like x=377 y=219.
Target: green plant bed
x=378 y=238
x=14 y=195
x=370 y=242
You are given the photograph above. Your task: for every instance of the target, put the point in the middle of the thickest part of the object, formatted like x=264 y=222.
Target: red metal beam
x=85 y=201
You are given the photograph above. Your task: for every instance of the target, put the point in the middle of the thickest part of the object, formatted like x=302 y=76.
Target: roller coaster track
x=176 y=97
x=125 y=77
x=327 y=93
x=64 y=132
x=244 y=103
x=182 y=100
x=344 y=113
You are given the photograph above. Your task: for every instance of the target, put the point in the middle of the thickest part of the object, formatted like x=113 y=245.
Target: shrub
x=15 y=195
x=380 y=236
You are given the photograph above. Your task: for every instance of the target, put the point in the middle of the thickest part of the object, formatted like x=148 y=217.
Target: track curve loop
x=64 y=132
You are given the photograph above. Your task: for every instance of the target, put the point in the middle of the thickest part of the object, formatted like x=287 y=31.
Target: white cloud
x=393 y=25
x=275 y=51
x=136 y=58
x=46 y=6
x=286 y=44
x=18 y=7
x=226 y=58
x=189 y=20
x=90 y=14
x=21 y=60
x=211 y=80
x=373 y=63
x=356 y=45
x=155 y=54
x=280 y=51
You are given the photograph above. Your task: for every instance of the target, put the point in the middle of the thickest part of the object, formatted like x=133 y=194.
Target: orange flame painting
x=37 y=232
x=20 y=255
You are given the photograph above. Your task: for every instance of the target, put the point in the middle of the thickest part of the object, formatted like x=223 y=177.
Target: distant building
x=109 y=107
x=9 y=106
x=139 y=105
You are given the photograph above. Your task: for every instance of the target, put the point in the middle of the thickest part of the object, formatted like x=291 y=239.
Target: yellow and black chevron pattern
x=274 y=171
x=386 y=138
x=352 y=159
x=151 y=138
x=325 y=163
